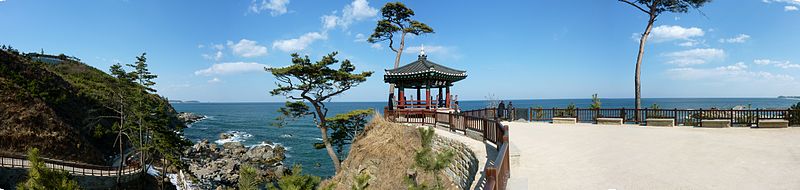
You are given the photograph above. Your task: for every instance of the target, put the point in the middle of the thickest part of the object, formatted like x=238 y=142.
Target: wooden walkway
x=74 y=168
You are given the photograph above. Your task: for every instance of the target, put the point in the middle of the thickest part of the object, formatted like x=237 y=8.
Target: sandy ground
x=587 y=156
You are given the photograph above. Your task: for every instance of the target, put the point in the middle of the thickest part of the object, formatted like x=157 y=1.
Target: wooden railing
x=490 y=129
x=684 y=117
x=19 y=161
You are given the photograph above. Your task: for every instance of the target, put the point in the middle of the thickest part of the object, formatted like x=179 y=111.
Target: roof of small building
x=423 y=71
x=421 y=65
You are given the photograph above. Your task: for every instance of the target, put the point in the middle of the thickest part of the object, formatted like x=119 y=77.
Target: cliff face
x=385 y=152
x=58 y=108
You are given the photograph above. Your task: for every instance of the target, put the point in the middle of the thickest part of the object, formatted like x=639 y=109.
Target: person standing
x=510 y=111
x=501 y=108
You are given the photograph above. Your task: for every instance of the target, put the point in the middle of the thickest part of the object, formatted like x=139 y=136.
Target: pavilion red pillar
x=428 y=97
x=401 y=97
x=447 y=96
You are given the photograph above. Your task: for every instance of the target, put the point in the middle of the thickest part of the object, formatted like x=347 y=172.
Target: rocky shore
x=216 y=165
x=189 y=118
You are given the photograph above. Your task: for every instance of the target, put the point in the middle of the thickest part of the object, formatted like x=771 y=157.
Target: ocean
x=251 y=123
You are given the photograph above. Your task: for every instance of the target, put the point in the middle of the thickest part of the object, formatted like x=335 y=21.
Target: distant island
x=179 y=101
x=789 y=97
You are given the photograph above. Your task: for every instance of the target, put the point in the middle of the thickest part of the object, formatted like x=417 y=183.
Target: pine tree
x=42 y=178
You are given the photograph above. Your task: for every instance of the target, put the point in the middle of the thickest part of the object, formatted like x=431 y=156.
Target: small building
x=423 y=74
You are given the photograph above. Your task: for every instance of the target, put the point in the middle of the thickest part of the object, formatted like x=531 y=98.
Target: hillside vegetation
x=383 y=158
x=68 y=110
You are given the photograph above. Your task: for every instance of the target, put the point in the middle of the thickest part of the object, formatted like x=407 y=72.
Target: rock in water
x=189 y=118
x=217 y=166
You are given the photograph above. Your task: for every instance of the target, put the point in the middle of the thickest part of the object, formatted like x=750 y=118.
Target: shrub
x=794 y=116
x=296 y=181
x=248 y=178
x=595 y=102
x=41 y=177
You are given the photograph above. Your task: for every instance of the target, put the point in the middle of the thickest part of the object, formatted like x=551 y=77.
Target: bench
x=660 y=122
x=773 y=123
x=564 y=120
x=715 y=123
x=609 y=121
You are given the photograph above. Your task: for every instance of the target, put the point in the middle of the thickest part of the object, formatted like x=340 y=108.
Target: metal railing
x=490 y=129
x=686 y=117
x=20 y=161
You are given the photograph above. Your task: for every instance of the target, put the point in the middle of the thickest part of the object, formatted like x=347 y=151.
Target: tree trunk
x=323 y=129
x=638 y=96
x=329 y=148
x=397 y=58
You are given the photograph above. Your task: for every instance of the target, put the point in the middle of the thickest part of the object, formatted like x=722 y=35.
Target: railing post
x=485 y=128
x=530 y=113
x=702 y=115
x=491 y=176
x=450 y=121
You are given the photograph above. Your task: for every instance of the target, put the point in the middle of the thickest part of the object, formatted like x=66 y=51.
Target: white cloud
x=376 y=46
x=275 y=7
x=216 y=57
x=691 y=43
x=300 y=43
x=666 y=33
x=329 y=21
x=763 y=61
x=793 y=2
x=779 y=64
x=355 y=11
x=435 y=51
x=735 y=72
x=695 y=56
x=790 y=8
x=788 y=65
x=198 y=45
x=214 y=80
x=360 y=38
x=741 y=38
x=358 y=10
x=217 y=46
x=231 y=68
x=247 y=48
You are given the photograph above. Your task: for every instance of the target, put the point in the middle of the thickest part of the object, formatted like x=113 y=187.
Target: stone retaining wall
x=464 y=167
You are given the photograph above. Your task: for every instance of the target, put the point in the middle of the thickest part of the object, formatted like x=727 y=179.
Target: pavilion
x=423 y=74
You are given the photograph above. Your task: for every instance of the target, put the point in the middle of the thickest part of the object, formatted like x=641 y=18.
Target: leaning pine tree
x=654 y=8
x=315 y=83
x=397 y=19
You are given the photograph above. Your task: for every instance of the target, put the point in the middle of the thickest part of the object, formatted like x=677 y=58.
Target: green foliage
x=655 y=107
x=296 y=181
x=396 y=17
x=142 y=74
x=315 y=83
x=794 y=116
x=539 y=112
x=660 y=6
x=248 y=178
x=570 y=111
x=361 y=181
x=346 y=127
x=595 y=102
x=42 y=178
x=429 y=161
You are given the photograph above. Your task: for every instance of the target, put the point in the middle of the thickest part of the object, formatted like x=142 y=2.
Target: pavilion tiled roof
x=423 y=65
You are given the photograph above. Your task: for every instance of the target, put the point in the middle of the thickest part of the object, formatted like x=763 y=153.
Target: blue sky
x=215 y=50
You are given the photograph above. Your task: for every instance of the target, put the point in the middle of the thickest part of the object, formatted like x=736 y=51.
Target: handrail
x=629 y=115
x=8 y=160
x=491 y=130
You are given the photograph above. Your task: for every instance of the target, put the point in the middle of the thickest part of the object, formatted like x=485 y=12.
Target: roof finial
x=422 y=50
